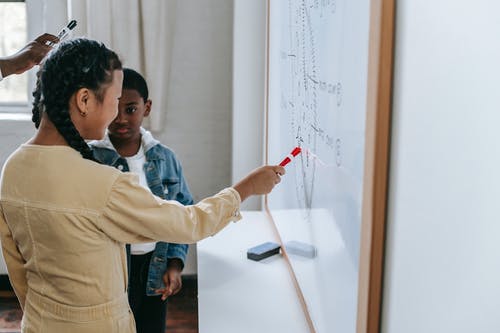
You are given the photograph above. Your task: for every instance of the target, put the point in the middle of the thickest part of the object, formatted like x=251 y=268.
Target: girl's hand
x=260 y=181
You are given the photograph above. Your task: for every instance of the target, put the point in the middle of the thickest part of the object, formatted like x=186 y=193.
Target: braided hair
x=75 y=64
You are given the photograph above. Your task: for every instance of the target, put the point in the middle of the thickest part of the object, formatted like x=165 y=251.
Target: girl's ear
x=81 y=98
x=147 y=107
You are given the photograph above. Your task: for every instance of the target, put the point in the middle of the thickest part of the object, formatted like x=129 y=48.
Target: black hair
x=135 y=81
x=74 y=64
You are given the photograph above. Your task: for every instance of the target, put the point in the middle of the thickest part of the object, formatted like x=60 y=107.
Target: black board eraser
x=263 y=250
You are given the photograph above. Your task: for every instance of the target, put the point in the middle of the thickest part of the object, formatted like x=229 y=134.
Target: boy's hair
x=74 y=64
x=135 y=81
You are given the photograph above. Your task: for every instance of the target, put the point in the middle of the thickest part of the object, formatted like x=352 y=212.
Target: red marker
x=290 y=157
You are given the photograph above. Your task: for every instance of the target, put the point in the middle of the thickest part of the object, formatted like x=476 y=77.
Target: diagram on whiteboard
x=308 y=86
x=318 y=59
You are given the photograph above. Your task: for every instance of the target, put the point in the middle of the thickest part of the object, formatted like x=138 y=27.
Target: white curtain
x=140 y=31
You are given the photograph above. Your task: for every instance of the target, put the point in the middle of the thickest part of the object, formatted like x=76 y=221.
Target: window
x=13 y=36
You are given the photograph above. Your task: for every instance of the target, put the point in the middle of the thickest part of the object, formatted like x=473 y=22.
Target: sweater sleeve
x=134 y=215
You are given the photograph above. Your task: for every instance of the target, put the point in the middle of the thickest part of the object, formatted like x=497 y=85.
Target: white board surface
x=318 y=56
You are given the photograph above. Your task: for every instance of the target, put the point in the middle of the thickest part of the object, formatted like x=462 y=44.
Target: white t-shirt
x=136 y=165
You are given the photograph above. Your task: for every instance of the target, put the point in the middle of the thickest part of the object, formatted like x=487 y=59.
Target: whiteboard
x=318 y=59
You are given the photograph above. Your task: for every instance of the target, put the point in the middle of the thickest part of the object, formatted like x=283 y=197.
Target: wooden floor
x=182 y=310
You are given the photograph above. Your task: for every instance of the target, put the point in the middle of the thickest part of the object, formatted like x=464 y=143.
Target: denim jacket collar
x=147 y=140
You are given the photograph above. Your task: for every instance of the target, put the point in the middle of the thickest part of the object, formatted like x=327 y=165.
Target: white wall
x=198 y=126
x=442 y=269
x=249 y=56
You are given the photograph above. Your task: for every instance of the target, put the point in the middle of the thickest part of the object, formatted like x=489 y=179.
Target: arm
x=172 y=278
x=30 y=55
x=14 y=261
x=134 y=215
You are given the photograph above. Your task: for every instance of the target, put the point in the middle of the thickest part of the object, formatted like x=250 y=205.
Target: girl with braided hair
x=64 y=217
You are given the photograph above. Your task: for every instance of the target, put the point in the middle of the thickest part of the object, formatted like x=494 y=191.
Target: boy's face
x=131 y=111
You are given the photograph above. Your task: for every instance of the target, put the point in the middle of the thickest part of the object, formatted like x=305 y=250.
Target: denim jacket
x=165 y=179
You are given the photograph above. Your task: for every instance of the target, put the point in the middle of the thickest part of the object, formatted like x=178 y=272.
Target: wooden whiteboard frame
x=376 y=166
x=377 y=148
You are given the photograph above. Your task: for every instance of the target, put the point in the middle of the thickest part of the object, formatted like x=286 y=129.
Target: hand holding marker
x=64 y=32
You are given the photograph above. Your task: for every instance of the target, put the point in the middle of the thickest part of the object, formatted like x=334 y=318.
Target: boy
x=154 y=268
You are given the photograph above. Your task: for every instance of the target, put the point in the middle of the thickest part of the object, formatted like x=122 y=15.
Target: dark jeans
x=150 y=312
